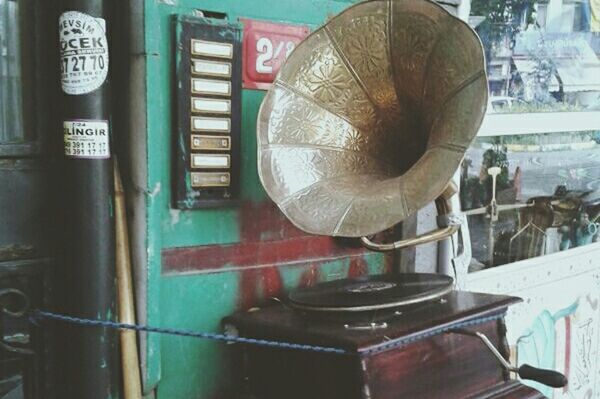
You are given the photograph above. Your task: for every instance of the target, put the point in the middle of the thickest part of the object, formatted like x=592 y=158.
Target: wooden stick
x=129 y=353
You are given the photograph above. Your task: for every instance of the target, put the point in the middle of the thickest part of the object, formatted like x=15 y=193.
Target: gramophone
x=366 y=123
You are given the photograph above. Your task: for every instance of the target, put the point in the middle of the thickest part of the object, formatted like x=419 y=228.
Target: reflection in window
x=531 y=195
x=542 y=55
x=11 y=127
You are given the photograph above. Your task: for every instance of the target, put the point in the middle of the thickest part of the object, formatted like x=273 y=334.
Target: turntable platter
x=371 y=292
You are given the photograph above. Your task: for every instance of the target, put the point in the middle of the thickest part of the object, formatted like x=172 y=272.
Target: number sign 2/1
x=266 y=46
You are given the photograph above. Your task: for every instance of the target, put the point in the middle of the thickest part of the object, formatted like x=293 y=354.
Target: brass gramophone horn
x=370 y=117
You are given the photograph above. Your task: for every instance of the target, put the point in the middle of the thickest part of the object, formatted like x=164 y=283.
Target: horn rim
x=445 y=174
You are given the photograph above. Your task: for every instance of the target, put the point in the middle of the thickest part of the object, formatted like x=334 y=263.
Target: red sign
x=266 y=47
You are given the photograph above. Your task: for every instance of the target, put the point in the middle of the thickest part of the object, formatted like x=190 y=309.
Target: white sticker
x=83 y=52
x=86 y=139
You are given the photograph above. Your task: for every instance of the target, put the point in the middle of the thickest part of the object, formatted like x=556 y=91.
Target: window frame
x=31 y=27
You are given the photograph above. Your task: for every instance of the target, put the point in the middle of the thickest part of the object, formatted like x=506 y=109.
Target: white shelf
x=542 y=122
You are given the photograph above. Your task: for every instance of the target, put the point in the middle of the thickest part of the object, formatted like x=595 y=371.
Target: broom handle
x=129 y=354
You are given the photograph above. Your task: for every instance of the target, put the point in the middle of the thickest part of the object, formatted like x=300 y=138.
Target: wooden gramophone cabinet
x=413 y=355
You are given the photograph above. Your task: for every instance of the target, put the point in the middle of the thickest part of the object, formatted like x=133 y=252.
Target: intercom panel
x=207 y=133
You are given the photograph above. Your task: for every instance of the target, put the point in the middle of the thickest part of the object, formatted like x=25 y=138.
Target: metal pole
x=91 y=353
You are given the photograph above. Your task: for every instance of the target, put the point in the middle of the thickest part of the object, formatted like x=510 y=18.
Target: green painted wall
x=199 y=369
x=183 y=367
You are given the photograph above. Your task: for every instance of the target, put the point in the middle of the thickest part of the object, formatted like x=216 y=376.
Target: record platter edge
x=371 y=293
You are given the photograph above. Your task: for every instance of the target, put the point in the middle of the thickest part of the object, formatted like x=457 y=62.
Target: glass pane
x=547 y=195
x=541 y=55
x=11 y=109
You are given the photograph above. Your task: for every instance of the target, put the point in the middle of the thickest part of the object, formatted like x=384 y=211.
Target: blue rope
x=37 y=315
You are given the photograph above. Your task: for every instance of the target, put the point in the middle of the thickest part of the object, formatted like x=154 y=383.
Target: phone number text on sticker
x=86 y=139
x=83 y=52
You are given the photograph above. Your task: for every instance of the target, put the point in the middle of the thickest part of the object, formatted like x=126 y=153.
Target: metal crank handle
x=550 y=378
x=547 y=377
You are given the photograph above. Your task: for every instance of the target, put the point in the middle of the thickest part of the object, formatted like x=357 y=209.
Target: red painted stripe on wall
x=252 y=254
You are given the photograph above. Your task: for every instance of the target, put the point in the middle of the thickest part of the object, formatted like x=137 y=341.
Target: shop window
x=546 y=197
x=541 y=54
x=530 y=183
